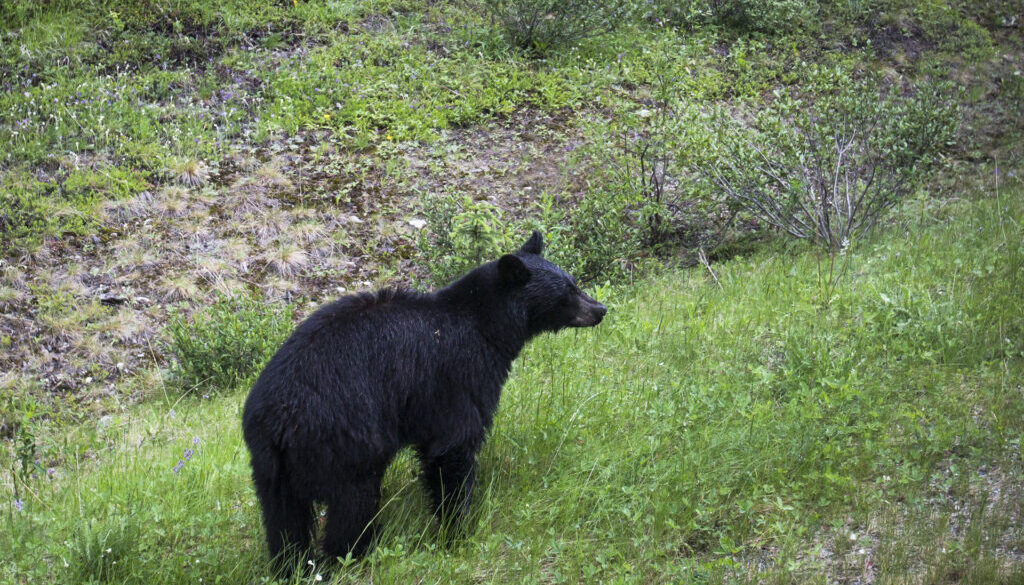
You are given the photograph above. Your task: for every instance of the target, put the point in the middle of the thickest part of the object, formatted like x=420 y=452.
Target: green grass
x=772 y=428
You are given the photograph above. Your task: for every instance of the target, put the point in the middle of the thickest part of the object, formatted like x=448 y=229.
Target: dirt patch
x=903 y=43
x=508 y=162
x=296 y=219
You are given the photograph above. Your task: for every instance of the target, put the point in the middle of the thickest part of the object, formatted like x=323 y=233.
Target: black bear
x=368 y=374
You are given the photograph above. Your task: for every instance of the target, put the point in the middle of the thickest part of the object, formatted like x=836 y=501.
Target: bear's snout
x=590 y=312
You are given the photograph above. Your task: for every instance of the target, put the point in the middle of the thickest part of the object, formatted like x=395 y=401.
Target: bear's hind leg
x=350 y=514
x=289 y=523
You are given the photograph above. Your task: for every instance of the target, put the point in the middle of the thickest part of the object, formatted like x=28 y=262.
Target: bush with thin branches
x=828 y=168
x=538 y=26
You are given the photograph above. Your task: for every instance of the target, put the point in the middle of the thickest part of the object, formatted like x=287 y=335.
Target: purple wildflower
x=19 y=505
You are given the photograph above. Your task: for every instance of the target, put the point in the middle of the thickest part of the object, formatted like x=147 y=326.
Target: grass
x=772 y=428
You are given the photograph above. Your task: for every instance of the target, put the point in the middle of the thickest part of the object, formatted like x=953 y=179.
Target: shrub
x=604 y=235
x=225 y=344
x=827 y=168
x=640 y=195
x=539 y=26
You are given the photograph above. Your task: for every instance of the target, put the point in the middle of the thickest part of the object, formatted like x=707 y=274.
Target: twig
x=704 y=260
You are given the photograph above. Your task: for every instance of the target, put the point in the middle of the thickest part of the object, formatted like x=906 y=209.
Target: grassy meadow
x=181 y=181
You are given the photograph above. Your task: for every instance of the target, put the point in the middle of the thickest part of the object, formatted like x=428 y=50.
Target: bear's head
x=551 y=297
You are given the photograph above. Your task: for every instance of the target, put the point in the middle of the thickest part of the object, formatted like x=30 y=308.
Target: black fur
x=369 y=374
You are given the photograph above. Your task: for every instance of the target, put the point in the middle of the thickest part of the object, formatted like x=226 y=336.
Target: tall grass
x=772 y=428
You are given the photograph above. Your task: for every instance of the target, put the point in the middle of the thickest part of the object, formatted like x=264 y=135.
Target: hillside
x=780 y=392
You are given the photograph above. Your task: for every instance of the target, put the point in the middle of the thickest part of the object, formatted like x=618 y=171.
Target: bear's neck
x=499 y=317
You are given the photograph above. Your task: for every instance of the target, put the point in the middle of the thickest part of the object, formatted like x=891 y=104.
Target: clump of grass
x=228 y=286
x=65 y=311
x=103 y=551
x=268 y=225
x=9 y=294
x=308 y=232
x=272 y=177
x=173 y=201
x=236 y=249
x=135 y=253
x=124 y=324
x=212 y=266
x=285 y=258
x=191 y=172
x=280 y=288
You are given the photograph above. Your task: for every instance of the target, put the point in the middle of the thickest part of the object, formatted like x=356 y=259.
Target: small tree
x=828 y=168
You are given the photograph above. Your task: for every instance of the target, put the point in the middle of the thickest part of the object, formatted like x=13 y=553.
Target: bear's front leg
x=449 y=477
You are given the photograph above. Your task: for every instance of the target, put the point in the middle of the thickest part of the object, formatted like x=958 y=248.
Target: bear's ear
x=535 y=245
x=512 y=270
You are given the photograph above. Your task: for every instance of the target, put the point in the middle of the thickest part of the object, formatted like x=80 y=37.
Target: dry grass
x=125 y=325
x=285 y=258
x=10 y=294
x=268 y=226
x=229 y=287
x=308 y=232
x=277 y=288
x=120 y=212
x=212 y=267
x=179 y=288
x=237 y=250
x=271 y=176
x=173 y=201
x=254 y=193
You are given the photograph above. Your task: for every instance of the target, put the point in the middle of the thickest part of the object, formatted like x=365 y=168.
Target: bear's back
x=359 y=363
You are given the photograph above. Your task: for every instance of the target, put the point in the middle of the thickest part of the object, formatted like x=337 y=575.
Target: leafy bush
x=770 y=16
x=827 y=168
x=539 y=26
x=225 y=344
x=461 y=234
